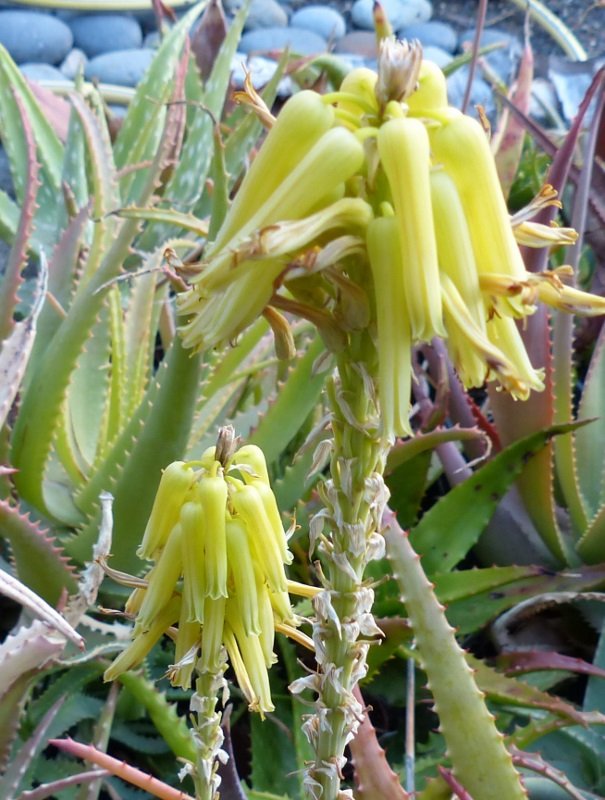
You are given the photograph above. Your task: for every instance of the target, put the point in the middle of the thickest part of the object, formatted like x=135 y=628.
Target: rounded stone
x=300 y=41
x=33 y=36
x=400 y=13
x=357 y=43
x=432 y=34
x=41 y=72
x=102 y=33
x=74 y=62
x=481 y=92
x=122 y=67
x=325 y=21
x=261 y=70
x=503 y=60
x=266 y=14
x=437 y=56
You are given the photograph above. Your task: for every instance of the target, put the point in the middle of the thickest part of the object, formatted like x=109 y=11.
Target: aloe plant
x=110 y=379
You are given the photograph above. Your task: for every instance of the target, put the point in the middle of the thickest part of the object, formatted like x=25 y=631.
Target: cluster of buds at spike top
x=386 y=162
x=218 y=548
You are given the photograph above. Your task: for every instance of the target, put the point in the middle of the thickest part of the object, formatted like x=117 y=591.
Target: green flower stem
x=208 y=734
x=353 y=498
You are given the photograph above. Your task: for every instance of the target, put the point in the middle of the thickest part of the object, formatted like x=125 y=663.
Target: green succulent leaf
x=470 y=505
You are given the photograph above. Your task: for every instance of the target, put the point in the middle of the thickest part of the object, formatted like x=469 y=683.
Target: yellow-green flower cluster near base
x=218 y=548
x=386 y=168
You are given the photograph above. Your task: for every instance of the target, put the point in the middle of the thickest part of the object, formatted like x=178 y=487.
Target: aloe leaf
x=594 y=697
x=9 y=217
x=511 y=134
x=62 y=270
x=11 y=709
x=172 y=727
x=11 y=280
x=523 y=661
x=473 y=612
x=154 y=90
x=102 y=179
x=10 y=781
x=403 y=451
x=591 y=546
x=187 y=182
x=479 y=757
x=296 y=398
x=472 y=503
x=39 y=563
x=16 y=349
x=74 y=162
x=589 y=440
x=155 y=436
x=374 y=778
x=119 y=768
x=536 y=483
x=50 y=149
x=461 y=584
x=167 y=216
x=511 y=691
x=140 y=325
x=89 y=390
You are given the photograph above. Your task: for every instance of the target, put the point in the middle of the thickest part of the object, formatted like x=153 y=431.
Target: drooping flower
x=218 y=581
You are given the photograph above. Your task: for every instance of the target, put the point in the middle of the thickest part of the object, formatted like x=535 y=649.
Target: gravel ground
x=585 y=19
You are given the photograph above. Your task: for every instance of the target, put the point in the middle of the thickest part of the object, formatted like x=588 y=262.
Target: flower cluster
x=383 y=173
x=218 y=549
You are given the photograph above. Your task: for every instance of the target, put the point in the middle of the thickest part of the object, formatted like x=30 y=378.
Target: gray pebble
x=357 y=43
x=122 y=67
x=503 y=61
x=41 y=72
x=261 y=71
x=73 y=63
x=152 y=40
x=31 y=36
x=265 y=14
x=437 y=56
x=102 y=33
x=325 y=21
x=401 y=13
x=432 y=34
x=300 y=41
x=481 y=93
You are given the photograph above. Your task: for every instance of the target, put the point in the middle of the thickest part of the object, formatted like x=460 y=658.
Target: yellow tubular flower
x=394 y=338
x=454 y=246
x=361 y=84
x=253 y=661
x=333 y=159
x=212 y=496
x=215 y=318
x=141 y=645
x=303 y=120
x=503 y=333
x=461 y=145
x=242 y=575
x=533 y=234
x=248 y=504
x=162 y=582
x=431 y=93
x=212 y=633
x=194 y=530
x=175 y=482
x=219 y=574
x=574 y=301
x=403 y=147
x=474 y=356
